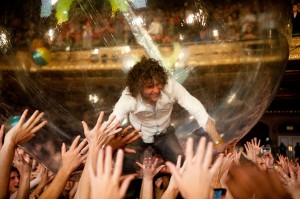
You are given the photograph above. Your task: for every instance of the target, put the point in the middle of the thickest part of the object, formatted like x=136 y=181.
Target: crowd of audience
x=238 y=173
x=232 y=21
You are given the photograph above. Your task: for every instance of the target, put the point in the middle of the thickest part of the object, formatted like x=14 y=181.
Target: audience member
x=105 y=180
x=103 y=134
x=155 y=30
x=14 y=180
x=71 y=160
x=248 y=181
x=295 y=20
x=258 y=176
x=249 y=33
x=196 y=179
x=19 y=134
x=297 y=152
x=149 y=170
x=87 y=35
x=247 y=17
x=282 y=149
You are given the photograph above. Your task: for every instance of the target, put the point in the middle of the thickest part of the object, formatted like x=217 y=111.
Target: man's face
x=151 y=91
x=14 y=182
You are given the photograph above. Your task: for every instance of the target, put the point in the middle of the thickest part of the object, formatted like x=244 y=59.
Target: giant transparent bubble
x=69 y=58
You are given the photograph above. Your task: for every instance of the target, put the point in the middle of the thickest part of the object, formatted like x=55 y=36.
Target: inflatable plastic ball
x=13 y=120
x=41 y=56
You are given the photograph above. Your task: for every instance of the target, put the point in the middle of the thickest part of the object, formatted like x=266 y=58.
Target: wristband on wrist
x=218 y=142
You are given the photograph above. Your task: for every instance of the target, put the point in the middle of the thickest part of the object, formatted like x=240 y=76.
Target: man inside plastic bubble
x=148 y=101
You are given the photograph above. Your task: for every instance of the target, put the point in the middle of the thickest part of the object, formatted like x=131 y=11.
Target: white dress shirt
x=153 y=120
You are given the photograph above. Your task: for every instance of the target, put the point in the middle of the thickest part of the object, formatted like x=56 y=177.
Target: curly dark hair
x=146 y=69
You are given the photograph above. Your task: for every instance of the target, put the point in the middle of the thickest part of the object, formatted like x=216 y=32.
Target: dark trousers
x=165 y=144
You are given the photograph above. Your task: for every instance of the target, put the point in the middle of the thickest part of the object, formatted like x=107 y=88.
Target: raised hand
x=72 y=158
x=97 y=137
x=256 y=146
x=17 y=135
x=25 y=130
x=101 y=131
x=150 y=168
x=196 y=180
x=283 y=163
x=172 y=189
x=24 y=168
x=105 y=180
x=122 y=139
x=45 y=179
x=237 y=156
x=252 y=150
x=223 y=170
x=269 y=160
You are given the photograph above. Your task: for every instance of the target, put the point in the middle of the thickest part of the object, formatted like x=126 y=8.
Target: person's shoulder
x=170 y=85
x=171 y=81
x=127 y=95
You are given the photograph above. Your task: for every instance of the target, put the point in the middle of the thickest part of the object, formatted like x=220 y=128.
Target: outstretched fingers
x=200 y=154
x=118 y=165
x=189 y=151
x=175 y=173
x=39 y=126
x=125 y=184
x=99 y=120
x=37 y=117
x=208 y=155
x=75 y=142
x=23 y=117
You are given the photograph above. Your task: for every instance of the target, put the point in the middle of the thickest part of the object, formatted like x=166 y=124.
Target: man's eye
x=148 y=86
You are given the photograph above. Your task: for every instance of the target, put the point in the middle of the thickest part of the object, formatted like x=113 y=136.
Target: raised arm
x=105 y=181
x=172 y=189
x=196 y=179
x=149 y=169
x=96 y=138
x=19 y=134
x=195 y=108
x=45 y=179
x=24 y=168
x=122 y=139
x=71 y=159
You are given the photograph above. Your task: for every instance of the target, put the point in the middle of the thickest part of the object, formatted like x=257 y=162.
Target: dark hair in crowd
x=14 y=169
x=146 y=69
